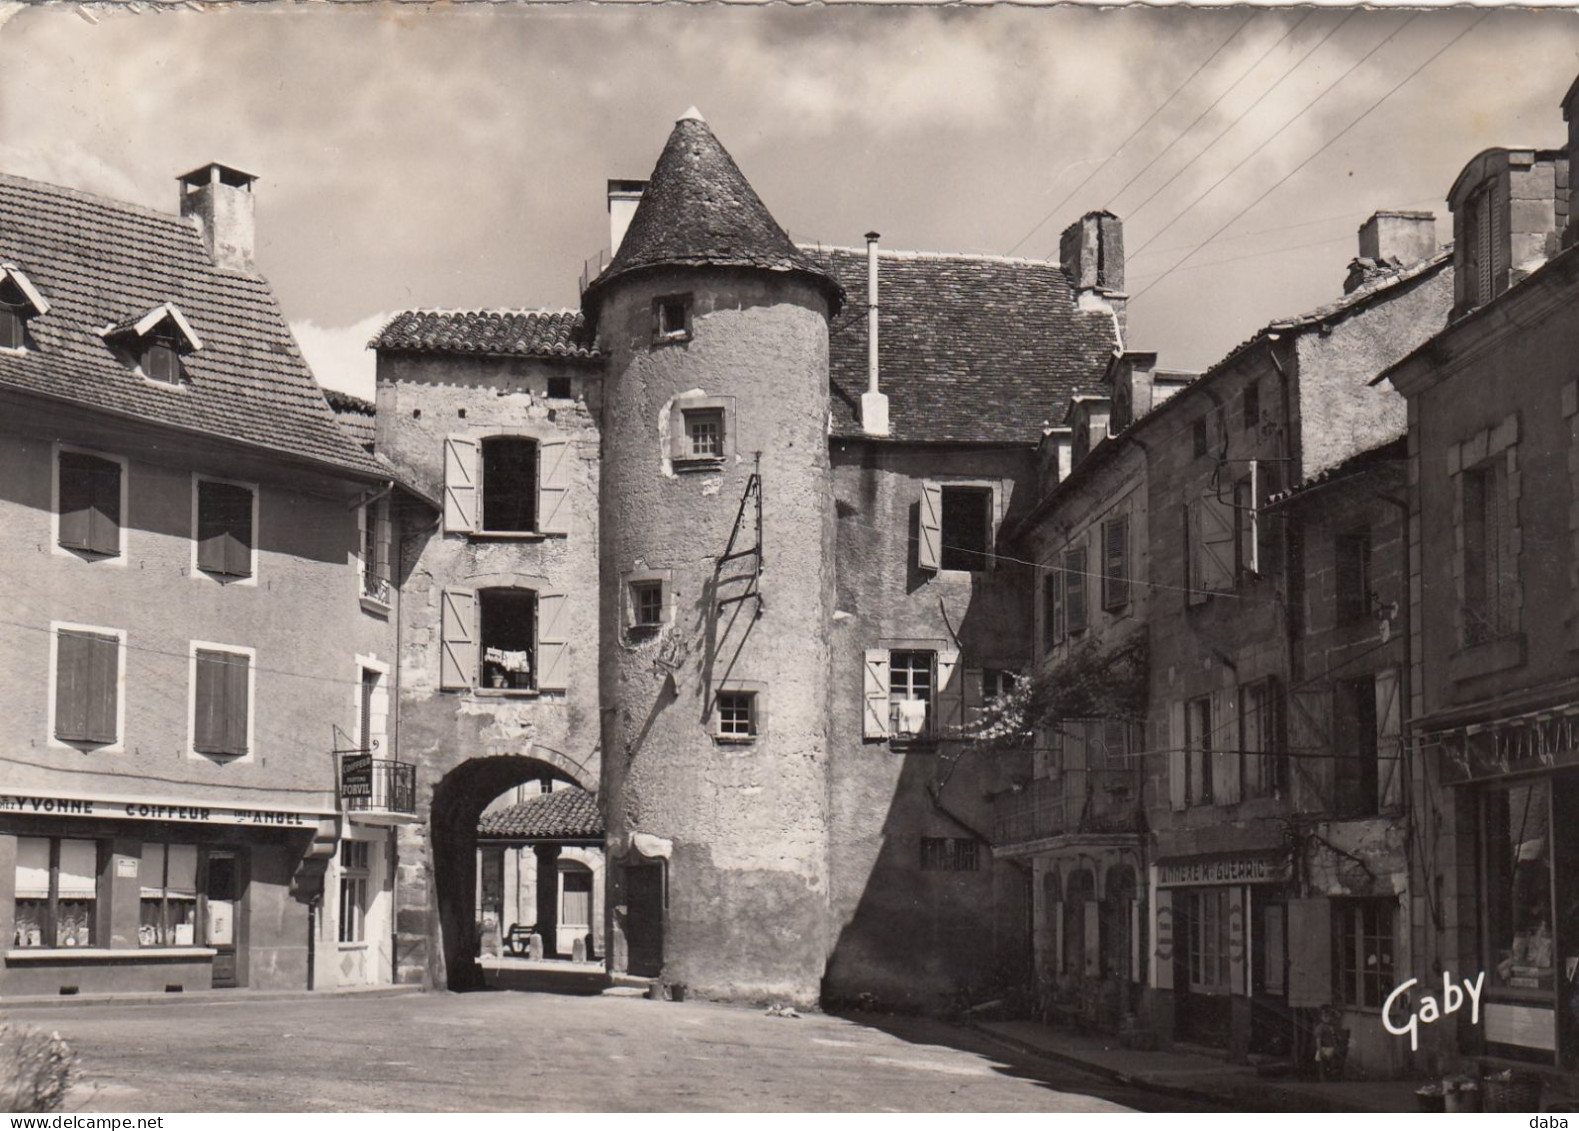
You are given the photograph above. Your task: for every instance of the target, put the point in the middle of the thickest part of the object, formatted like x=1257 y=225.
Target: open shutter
x=950 y=695
x=1075 y=589
x=1310 y=741
x=208 y=707
x=1194 y=563
x=1178 y=759
x=1250 y=521
x=238 y=533
x=553 y=485
x=1216 y=526
x=974 y=696
x=458 y=639
x=1389 y=740
x=104 y=517
x=1056 y=594
x=1238 y=951
x=929 y=550
x=76 y=501
x=72 y=662
x=875 y=682
x=553 y=628
x=1227 y=755
x=383 y=535
x=1309 y=952
x=104 y=687
x=1115 y=572
x=237 y=669
x=1162 y=951
x=460 y=484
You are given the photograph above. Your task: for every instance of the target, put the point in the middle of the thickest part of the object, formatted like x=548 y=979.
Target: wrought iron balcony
x=378 y=790
x=374 y=587
x=1070 y=802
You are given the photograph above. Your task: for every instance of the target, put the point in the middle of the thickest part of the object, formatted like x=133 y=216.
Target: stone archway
x=458 y=799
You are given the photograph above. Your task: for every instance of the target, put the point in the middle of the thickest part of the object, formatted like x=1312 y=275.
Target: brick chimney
x=1091 y=253
x=221 y=199
x=624 y=196
x=1390 y=241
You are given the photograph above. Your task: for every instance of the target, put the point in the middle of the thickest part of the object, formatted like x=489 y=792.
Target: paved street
x=514 y=1051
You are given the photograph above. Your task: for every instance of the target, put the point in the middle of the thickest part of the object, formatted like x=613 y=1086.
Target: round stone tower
x=716 y=551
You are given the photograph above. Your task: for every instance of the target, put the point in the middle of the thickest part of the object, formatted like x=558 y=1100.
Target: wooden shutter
x=1389 y=740
x=1250 y=520
x=553 y=632
x=1309 y=952
x=1194 y=566
x=1115 y=569
x=875 y=682
x=1500 y=248
x=1178 y=758
x=929 y=550
x=1217 y=538
x=208 y=704
x=236 y=668
x=553 y=485
x=87 y=679
x=224 y=529
x=1057 y=592
x=458 y=639
x=950 y=695
x=460 y=484
x=1227 y=754
x=104 y=516
x=1162 y=951
x=76 y=501
x=1238 y=938
x=383 y=537
x=1310 y=715
x=1075 y=589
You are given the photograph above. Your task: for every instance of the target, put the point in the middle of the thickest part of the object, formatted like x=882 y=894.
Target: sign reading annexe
x=154 y=811
x=1225 y=870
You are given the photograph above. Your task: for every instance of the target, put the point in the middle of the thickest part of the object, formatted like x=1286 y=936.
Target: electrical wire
x=1057 y=208
x=1324 y=147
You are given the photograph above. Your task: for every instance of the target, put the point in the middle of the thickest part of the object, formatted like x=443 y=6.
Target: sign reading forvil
x=356 y=775
x=1223 y=870
x=192 y=812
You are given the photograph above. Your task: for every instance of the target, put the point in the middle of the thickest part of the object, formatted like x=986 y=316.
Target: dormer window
x=19 y=301
x=156 y=342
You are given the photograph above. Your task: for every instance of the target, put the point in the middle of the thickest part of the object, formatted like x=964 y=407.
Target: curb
x=196 y=997
x=1101 y=1070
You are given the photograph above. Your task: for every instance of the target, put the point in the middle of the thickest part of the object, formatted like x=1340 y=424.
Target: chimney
x=624 y=196
x=221 y=199
x=874 y=403
x=1054 y=458
x=1390 y=241
x=1091 y=253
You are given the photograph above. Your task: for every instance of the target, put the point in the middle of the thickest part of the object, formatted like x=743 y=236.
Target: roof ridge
x=488 y=310
x=966 y=256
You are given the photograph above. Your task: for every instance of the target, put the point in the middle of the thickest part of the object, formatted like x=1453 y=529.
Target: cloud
x=68 y=163
x=339 y=355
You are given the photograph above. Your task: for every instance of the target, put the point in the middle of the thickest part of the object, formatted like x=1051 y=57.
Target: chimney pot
x=874 y=402
x=623 y=197
x=220 y=197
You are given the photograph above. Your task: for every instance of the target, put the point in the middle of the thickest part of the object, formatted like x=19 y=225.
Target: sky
x=455 y=157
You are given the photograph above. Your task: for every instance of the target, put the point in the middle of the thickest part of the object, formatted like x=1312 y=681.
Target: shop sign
x=1222 y=870
x=356 y=775
x=189 y=812
x=1540 y=741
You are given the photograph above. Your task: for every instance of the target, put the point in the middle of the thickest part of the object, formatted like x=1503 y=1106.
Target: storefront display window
x=1208 y=926
x=1519 y=920
x=169 y=895
x=57 y=884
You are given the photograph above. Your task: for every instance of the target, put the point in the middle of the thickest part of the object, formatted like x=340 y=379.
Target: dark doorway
x=644 y=902
x=222 y=915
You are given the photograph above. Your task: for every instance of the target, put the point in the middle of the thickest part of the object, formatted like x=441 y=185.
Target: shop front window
x=1518 y=891
x=1207 y=924
x=57 y=883
x=169 y=897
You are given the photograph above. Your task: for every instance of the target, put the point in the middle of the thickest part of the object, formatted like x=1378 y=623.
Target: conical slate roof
x=698 y=210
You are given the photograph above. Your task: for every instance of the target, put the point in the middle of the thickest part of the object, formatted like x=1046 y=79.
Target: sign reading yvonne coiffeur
x=190 y=812
x=1222 y=870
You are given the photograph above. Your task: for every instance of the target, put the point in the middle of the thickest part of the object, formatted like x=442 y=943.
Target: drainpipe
x=874 y=403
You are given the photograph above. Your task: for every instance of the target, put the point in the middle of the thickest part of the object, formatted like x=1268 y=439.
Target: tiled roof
x=1392 y=452
x=101 y=263
x=516 y=333
x=1380 y=282
x=698 y=210
x=565 y=814
x=972 y=349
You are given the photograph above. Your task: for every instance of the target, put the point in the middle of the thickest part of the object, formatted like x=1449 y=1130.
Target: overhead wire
x=1057 y=208
x=1323 y=148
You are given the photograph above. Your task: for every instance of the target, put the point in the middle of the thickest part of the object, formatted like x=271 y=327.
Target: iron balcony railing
x=377 y=785
x=1070 y=801
x=374 y=587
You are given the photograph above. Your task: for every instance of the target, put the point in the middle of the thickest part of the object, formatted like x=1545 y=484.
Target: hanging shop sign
x=1540 y=740
x=1222 y=870
x=191 y=812
x=356 y=775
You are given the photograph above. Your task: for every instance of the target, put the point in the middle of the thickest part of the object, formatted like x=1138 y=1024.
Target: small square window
x=737 y=714
x=161 y=362
x=704 y=433
x=225 y=538
x=672 y=318
x=646 y=604
x=559 y=388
